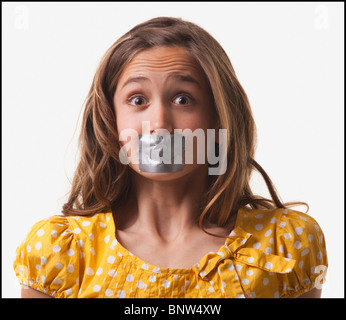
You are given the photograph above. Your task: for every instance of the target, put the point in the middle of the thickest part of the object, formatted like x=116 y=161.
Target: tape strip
x=161 y=153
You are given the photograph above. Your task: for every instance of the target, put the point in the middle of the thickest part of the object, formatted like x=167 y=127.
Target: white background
x=288 y=57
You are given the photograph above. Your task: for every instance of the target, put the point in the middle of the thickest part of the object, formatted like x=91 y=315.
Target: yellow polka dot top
x=269 y=254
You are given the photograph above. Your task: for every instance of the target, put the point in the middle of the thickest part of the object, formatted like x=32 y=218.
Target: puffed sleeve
x=301 y=238
x=48 y=259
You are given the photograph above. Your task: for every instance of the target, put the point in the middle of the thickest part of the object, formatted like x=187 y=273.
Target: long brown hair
x=102 y=181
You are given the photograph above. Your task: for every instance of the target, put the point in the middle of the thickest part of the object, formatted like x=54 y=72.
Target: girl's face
x=168 y=88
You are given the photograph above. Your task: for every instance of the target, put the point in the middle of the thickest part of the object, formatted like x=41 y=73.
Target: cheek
x=203 y=117
x=126 y=120
x=196 y=121
x=122 y=122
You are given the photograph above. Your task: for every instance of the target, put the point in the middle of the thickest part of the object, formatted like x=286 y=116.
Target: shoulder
x=290 y=232
x=91 y=227
x=300 y=230
x=286 y=223
x=54 y=229
x=259 y=219
x=295 y=236
x=52 y=254
x=67 y=229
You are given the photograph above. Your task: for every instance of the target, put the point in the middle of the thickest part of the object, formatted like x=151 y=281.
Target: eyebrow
x=185 y=78
x=175 y=76
x=134 y=79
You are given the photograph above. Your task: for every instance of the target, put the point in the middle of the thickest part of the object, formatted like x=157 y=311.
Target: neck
x=166 y=210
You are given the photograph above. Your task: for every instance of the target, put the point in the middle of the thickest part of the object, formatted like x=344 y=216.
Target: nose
x=160 y=118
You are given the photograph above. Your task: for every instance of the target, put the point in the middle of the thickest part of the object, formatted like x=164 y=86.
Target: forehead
x=163 y=60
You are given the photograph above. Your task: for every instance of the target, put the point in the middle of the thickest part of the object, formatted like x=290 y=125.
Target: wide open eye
x=138 y=101
x=183 y=100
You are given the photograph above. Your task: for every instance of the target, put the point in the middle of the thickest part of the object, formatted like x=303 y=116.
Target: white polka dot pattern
x=269 y=254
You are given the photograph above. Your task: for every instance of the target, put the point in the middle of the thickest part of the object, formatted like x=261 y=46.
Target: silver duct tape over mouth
x=161 y=153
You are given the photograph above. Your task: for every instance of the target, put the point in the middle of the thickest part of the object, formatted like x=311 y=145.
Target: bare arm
x=314 y=293
x=28 y=292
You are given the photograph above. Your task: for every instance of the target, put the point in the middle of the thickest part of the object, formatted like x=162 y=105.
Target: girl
x=158 y=231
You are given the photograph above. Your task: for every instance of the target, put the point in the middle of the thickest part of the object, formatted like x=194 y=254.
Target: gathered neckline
x=168 y=270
